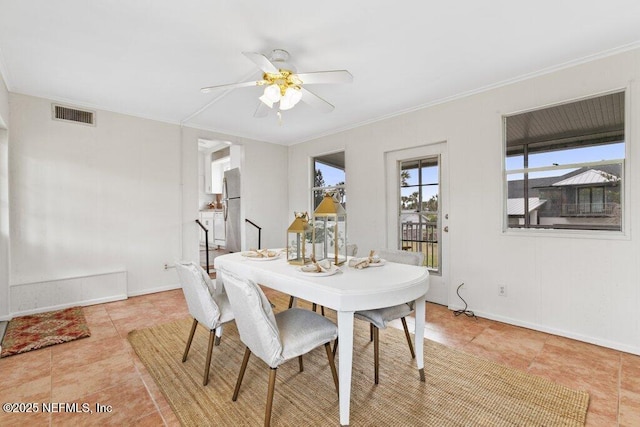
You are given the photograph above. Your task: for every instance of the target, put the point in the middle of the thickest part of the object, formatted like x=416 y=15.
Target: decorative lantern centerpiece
x=329 y=235
x=297 y=252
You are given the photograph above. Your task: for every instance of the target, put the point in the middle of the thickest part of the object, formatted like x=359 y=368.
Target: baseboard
x=553 y=331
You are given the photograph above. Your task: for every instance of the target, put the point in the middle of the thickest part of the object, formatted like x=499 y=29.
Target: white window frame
x=623 y=233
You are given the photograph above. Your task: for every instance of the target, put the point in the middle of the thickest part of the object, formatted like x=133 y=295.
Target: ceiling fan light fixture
x=291 y=97
x=272 y=93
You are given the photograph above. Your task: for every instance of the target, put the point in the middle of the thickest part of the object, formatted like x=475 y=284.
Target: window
x=328 y=175
x=419 y=212
x=564 y=165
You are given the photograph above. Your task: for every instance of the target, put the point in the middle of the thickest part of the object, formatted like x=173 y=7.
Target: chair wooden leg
x=272 y=385
x=371 y=331
x=300 y=363
x=406 y=333
x=332 y=364
x=212 y=336
x=335 y=347
x=290 y=302
x=243 y=368
x=193 y=331
x=376 y=344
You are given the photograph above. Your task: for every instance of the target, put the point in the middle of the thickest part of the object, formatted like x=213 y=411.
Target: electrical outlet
x=502 y=290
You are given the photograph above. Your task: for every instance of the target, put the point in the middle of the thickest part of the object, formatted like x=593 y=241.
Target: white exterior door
x=417 y=210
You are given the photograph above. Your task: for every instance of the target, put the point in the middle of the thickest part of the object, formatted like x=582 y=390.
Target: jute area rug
x=460 y=389
x=26 y=333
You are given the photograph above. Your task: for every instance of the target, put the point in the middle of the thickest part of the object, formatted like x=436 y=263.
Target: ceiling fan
x=284 y=85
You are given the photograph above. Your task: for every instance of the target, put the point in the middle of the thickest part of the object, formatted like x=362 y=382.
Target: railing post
x=206 y=243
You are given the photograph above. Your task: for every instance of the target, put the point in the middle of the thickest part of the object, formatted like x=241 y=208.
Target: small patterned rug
x=26 y=333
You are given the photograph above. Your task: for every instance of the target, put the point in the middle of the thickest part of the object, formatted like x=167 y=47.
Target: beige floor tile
x=630 y=376
x=71 y=385
x=115 y=405
x=21 y=368
x=629 y=408
x=68 y=358
x=34 y=391
x=508 y=345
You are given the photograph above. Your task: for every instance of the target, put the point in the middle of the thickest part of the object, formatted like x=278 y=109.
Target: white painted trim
x=553 y=331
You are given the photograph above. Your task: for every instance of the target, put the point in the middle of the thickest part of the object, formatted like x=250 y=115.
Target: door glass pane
x=419 y=211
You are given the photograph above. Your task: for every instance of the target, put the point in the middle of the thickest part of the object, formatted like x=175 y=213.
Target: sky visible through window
x=332 y=175
x=563 y=157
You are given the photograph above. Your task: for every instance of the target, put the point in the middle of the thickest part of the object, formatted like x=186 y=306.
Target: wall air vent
x=70 y=114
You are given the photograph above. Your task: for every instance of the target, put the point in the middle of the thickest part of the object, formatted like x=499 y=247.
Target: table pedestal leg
x=419 y=335
x=345 y=359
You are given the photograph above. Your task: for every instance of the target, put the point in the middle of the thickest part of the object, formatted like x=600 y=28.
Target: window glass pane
x=409 y=174
x=419 y=192
x=577 y=155
x=409 y=198
x=430 y=198
x=588 y=134
x=327 y=175
x=429 y=173
x=514 y=162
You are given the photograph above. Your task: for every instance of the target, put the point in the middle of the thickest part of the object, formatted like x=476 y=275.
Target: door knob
x=446 y=229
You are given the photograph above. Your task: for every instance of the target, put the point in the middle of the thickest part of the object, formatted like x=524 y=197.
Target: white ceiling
x=149 y=58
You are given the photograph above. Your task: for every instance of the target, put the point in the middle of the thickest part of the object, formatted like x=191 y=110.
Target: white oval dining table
x=347 y=291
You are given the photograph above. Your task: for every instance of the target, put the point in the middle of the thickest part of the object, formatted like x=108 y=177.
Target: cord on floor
x=464 y=311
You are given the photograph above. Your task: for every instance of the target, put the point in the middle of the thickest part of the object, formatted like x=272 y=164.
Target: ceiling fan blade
x=228 y=86
x=315 y=101
x=261 y=61
x=320 y=77
x=261 y=110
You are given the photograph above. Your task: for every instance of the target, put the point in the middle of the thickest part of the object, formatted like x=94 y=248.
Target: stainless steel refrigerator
x=231 y=207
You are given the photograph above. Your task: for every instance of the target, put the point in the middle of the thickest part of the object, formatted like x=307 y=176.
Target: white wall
x=582 y=287
x=92 y=200
x=122 y=196
x=4 y=199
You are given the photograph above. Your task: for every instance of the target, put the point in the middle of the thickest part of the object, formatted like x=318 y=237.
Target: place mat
x=460 y=389
x=26 y=333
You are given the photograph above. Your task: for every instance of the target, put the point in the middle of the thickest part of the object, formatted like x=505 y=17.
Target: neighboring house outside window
x=579 y=197
x=564 y=166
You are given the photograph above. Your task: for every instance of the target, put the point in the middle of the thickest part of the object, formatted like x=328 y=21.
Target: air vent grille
x=68 y=114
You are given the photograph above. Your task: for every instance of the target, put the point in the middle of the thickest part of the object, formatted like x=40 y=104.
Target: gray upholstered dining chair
x=208 y=305
x=380 y=317
x=275 y=338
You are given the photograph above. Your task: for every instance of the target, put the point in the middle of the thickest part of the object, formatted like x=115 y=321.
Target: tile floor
x=104 y=368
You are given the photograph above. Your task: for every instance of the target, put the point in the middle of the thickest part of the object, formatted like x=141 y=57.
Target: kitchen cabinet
x=206 y=218
x=219 y=228
x=218 y=167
